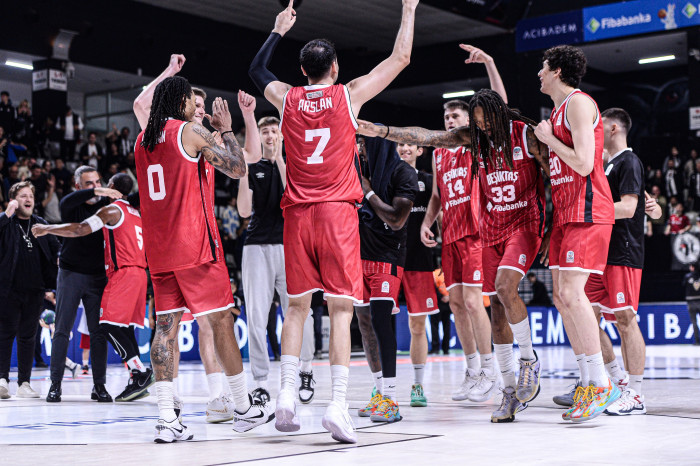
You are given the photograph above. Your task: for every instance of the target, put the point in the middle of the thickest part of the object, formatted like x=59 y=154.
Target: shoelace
x=306 y=379
x=528 y=373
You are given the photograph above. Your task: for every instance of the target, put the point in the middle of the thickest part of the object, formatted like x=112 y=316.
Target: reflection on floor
x=79 y=431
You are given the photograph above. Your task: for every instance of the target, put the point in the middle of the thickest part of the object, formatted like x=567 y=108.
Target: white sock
x=215 y=385
x=239 y=390
x=339 y=383
x=288 y=372
x=166 y=401
x=583 y=369
x=378 y=381
x=506 y=360
x=596 y=370
x=135 y=364
x=522 y=334
x=262 y=383
x=635 y=383
x=473 y=362
x=418 y=372
x=615 y=371
x=224 y=384
x=176 y=392
x=85 y=362
x=305 y=366
x=389 y=388
x=487 y=362
x=70 y=364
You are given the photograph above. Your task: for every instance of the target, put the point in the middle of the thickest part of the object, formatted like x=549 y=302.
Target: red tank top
x=454 y=181
x=124 y=241
x=177 y=204
x=579 y=198
x=511 y=200
x=319 y=136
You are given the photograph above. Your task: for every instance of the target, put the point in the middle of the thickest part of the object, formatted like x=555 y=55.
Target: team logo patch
x=517 y=153
x=314 y=95
x=429 y=302
x=620 y=298
x=421 y=186
x=385 y=287
x=453 y=161
x=439 y=158
x=477 y=275
x=608 y=169
x=481 y=164
x=489 y=206
x=570 y=257
x=696 y=285
x=101 y=312
x=523 y=260
x=260 y=175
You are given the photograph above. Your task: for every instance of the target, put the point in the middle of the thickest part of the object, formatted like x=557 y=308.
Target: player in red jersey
x=321 y=238
x=183 y=244
x=583 y=216
x=124 y=299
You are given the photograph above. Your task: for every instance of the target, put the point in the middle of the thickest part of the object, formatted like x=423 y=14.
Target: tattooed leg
x=369 y=339
x=164 y=348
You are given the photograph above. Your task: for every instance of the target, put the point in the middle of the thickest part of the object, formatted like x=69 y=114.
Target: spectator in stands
x=112 y=170
x=540 y=297
x=692 y=296
x=689 y=165
x=51 y=202
x=231 y=219
x=678 y=222
x=673 y=180
x=70 y=126
x=113 y=154
x=657 y=179
x=672 y=160
x=24 y=127
x=7 y=113
x=4 y=142
x=694 y=186
x=12 y=178
x=125 y=143
x=91 y=152
x=40 y=182
x=63 y=178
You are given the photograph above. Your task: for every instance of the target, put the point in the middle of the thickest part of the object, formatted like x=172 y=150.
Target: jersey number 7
x=325 y=135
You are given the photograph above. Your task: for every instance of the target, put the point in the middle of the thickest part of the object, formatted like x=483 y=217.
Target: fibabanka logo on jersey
x=429 y=302
x=477 y=275
x=517 y=153
x=523 y=260
x=385 y=287
x=620 y=298
x=570 y=257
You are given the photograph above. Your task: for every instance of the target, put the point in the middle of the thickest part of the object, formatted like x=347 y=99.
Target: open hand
x=220 y=118
x=108 y=192
x=427 y=236
x=285 y=20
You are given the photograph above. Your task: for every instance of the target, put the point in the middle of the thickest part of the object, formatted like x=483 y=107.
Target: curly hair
x=570 y=60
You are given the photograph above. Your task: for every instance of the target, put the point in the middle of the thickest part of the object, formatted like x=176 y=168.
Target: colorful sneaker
x=220 y=409
x=368 y=410
x=528 y=380
x=486 y=387
x=337 y=421
x=578 y=395
x=418 y=399
x=595 y=402
x=470 y=380
x=567 y=399
x=387 y=411
x=510 y=405
x=629 y=403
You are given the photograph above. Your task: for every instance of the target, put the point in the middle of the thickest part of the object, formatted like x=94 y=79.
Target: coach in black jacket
x=28 y=268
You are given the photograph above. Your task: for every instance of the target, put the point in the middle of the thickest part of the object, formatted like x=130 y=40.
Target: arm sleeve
x=74 y=200
x=258 y=71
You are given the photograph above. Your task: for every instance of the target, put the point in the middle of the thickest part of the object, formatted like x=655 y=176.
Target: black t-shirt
x=266 y=223
x=626 y=176
x=419 y=257
x=28 y=276
x=378 y=242
x=85 y=254
x=692 y=285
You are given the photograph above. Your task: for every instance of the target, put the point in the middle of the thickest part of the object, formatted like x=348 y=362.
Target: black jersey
x=378 y=242
x=419 y=257
x=266 y=223
x=625 y=175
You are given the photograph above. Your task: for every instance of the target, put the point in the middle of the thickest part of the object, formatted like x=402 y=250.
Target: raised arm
x=279 y=160
x=107 y=215
x=253 y=148
x=415 y=135
x=142 y=104
x=477 y=55
x=244 y=200
x=366 y=87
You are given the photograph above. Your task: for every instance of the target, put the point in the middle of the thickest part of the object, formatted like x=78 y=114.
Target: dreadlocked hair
x=168 y=102
x=497 y=117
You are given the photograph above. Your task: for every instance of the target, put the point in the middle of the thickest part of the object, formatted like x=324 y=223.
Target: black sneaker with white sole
x=139 y=382
x=306 y=389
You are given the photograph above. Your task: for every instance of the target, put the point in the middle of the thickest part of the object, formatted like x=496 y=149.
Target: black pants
x=435 y=319
x=19 y=315
x=68 y=149
x=38 y=353
x=694 y=310
x=272 y=330
x=72 y=287
x=123 y=341
x=318 y=327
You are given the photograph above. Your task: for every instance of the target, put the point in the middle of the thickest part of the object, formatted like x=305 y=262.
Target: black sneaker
x=318 y=354
x=54 y=395
x=99 y=393
x=306 y=389
x=86 y=369
x=40 y=364
x=138 y=383
x=260 y=396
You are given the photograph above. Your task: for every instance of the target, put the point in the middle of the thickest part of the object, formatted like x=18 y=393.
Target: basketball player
x=124 y=299
x=583 y=217
x=389 y=198
x=183 y=244
x=259 y=197
x=321 y=238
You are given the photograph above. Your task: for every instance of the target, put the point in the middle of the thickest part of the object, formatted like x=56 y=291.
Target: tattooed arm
x=415 y=135
x=537 y=149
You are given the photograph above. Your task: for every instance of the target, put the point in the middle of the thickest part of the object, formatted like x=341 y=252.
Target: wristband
x=369 y=195
x=95 y=223
x=229 y=131
x=388 y=130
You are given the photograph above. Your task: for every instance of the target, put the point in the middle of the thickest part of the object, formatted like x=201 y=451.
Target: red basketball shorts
x=322 y=250
x=381 y=281
x=419 y=290
x=580 y=246
x=616 y=290
x=198 y=290
x=517 y=253
x=124 y=298
x=461 y=262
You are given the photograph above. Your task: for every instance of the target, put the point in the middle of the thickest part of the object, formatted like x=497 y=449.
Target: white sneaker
x=220 y=409
x=26 y=391
x=169 y=432
x=258 y=413
x=622 y=383
x=629 y=403
x=486 y=387
x=337 y=421
x=179 y=407
x=470 y=380
x=4 y=389
x=286 y=419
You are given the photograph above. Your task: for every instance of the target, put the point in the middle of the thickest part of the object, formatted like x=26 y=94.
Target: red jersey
x=177 y=204
x=124 y=241
x=319 y=135
x=579 y=198
x=511 y=200
x=454 y=182
x=678 y=222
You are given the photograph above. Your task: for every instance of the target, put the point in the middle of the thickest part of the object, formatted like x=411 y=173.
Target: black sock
x=123 y=341
x=381 y=322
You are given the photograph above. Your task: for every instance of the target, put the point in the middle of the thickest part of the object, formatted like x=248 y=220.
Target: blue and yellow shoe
x=387 y=411
x=595 y=402
x=578 y=396
x=372 y=405
x=418 y=399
